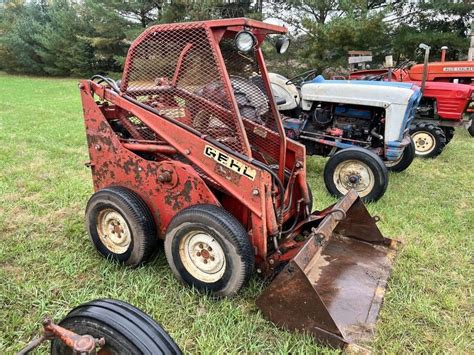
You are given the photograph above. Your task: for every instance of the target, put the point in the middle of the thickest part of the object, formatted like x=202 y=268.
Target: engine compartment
x=354 y=124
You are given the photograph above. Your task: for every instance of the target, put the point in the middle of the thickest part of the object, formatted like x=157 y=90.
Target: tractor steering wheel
x=301 y=78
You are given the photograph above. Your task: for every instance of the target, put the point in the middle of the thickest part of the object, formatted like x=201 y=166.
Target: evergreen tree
x=19 y=21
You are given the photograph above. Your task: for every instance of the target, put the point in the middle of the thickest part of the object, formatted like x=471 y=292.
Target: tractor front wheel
x=207 y=248
x=121 y=226
x=407 y=157
x=124 y=328
x=429 y=140
x=358 y=169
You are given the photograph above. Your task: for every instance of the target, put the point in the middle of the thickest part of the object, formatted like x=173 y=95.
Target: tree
x=436 y=23
x=19 y=21
x=330 y=28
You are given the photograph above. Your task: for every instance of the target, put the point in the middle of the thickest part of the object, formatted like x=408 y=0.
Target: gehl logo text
x=229 y=162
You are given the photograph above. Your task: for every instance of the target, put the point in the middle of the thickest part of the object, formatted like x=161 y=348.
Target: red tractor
x=448 y=99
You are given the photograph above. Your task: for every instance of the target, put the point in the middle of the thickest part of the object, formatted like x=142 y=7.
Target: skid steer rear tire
x=125 y=329
x=429 y=139
x=207 y=248
x=121 y=226
x=359 y=169
x=408 y=155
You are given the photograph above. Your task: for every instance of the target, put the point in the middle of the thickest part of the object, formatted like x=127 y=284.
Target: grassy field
x=48 y=265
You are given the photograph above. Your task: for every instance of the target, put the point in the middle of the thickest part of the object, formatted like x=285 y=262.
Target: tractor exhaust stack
x=334 y=287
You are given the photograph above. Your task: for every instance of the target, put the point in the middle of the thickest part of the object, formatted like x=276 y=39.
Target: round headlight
x=245 y=41
x=282 y=44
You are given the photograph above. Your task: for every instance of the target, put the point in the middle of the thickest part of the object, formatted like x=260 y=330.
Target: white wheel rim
x=354 y=174
x=424 y=142
x=113 y=231
x=202 y=256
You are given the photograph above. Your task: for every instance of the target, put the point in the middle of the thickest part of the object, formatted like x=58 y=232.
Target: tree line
x=79 y=38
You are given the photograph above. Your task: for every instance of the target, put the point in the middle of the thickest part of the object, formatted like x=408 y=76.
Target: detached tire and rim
x=429 y=140
x=358 y=169
x=407 y=157
x=125 y=329
x=207 y=248
x=121 y=226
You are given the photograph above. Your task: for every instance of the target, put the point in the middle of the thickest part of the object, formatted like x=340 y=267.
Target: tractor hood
x=358 y=92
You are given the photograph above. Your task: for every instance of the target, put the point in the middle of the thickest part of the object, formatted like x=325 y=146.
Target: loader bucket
x=334 y=287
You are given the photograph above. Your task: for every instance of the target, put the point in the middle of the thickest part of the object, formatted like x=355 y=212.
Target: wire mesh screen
x=173 y=69
x=252 y=100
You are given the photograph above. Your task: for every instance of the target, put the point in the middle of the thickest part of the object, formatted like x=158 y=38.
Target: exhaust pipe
x=425 y=65
x=443 y=53
x=334 y=286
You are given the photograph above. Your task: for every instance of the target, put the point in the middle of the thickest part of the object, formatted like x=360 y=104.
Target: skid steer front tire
x=359 y=169
x=125 y=329
x=429 y=139
x=207 y=248
x=121 y=226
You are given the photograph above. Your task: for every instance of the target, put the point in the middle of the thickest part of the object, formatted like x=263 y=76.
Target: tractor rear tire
x=408 y=155
x=449 y=133
x=359 y=169
x=470 y=129
x=429 y=139
x=121 y=226
x=125 y=329
x=209 y=249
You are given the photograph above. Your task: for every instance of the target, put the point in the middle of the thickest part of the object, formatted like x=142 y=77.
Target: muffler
x=334 y=287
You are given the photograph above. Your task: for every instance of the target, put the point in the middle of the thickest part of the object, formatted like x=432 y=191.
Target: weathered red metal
x=194 y=122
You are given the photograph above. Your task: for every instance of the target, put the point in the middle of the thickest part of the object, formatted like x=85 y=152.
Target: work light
x=282 y=44
x=245 y=41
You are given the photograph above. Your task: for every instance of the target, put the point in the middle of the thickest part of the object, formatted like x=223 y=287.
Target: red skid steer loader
x=188 y=147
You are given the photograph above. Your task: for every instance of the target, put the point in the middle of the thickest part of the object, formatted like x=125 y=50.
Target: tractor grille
x=172 y=68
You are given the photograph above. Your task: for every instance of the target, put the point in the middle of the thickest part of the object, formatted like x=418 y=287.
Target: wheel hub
x=354 y=174
x=354 y=179
x=202 y=256
x=424 y=142
x=113 y=231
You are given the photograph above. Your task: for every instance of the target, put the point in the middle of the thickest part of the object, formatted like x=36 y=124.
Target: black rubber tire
x=125 y=328
x=136 y=214
x=370 y=159
x=470 y=129
x=408 y=155
x=436 y=132
x=231 y=237
x=449 y=133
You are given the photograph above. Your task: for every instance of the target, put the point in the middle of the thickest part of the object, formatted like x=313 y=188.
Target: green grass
x=48 y=266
